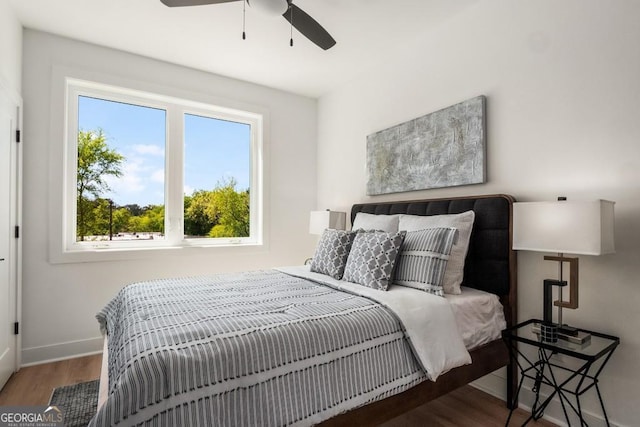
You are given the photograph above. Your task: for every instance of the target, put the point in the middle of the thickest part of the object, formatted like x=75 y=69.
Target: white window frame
x=175 y=108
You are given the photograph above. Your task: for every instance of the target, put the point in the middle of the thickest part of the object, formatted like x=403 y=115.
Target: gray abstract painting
x=441 y=149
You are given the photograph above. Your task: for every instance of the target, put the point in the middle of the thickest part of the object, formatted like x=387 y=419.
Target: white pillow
x=365 y=221
x=454 y=272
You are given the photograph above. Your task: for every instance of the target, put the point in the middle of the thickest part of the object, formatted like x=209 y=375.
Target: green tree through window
x=96 y=161
x=220 y=212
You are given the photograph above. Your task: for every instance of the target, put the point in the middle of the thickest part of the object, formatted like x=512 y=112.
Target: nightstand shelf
x=593 y=356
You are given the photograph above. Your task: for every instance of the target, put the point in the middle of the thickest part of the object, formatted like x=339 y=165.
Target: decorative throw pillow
x=332 y=252
x=373 y=257
x=423 y=259
x=464 y=223
x=365 y=221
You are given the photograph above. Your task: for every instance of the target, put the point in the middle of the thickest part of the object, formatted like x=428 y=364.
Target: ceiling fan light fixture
x=297 y=18
x=270 y=7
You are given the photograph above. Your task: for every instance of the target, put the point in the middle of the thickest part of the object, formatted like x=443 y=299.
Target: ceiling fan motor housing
x=269 y=7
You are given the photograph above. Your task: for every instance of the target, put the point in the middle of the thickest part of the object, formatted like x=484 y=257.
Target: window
x=120 y=171
x=217 y=177
x=151 y=171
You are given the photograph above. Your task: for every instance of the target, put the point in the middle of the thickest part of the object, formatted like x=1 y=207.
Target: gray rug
x=78 y=402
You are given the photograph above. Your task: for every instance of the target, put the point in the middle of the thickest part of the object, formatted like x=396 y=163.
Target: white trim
x=61 y=351
x=9 y=91
x=59 y=359
x=67 y=85
x=554 y=414
x=15 y=270
x=494 y=384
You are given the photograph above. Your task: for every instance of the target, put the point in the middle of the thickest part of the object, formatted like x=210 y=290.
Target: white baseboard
x=554 y=412
x=495 y=385
x=61 y=351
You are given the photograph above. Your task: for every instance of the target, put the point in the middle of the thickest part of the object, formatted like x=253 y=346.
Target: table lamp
x=321 y=220
x=574 y=227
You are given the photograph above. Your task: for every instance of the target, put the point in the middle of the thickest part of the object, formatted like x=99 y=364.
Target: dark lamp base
x=548 y=298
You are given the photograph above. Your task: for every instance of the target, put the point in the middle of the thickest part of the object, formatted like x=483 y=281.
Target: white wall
x=10 y=48
x=563 y=108
x=61 y=300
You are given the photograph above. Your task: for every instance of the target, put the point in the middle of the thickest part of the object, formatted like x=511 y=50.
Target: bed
x=257 y=384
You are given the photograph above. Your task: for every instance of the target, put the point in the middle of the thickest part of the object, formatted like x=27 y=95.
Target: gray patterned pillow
x=373 y=257
x=423 y=259
x=332 y=252
x=454 y=274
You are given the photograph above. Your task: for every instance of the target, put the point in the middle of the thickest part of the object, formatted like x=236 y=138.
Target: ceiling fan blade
x=309 y=27
x=180 y=3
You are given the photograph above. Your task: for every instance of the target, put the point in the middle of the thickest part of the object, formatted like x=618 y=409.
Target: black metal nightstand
x=593 y=354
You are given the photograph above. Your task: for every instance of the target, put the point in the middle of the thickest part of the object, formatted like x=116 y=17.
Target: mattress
x=479 y=316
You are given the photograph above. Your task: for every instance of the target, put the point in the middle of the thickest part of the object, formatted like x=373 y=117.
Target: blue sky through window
x=215 y=150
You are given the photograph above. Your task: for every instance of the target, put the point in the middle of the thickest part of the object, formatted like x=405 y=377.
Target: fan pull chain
x=244 y=16
x=291 y=28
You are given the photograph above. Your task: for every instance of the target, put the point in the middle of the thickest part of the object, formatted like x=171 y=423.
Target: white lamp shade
x=321 y=220
x=564 y=227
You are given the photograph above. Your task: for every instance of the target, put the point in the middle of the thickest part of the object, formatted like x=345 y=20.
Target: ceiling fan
x=298 y=18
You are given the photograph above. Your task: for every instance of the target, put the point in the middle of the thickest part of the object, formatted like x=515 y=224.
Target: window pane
x=217 y=177
x=120 y=175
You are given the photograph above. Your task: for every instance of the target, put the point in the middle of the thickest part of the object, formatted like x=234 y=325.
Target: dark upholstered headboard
x=491 y=263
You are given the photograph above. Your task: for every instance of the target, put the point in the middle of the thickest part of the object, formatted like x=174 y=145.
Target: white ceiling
x=209 y=37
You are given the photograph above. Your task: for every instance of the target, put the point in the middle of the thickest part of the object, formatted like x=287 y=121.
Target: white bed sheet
x=479 y=316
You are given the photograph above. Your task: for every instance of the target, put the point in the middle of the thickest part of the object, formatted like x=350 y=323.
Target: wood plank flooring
x=466 y=406
x=33 y=385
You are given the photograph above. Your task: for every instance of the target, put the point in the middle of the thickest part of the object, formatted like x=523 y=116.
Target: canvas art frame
x=446 y=148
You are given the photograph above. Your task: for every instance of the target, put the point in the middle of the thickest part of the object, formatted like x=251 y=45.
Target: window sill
x=106 y=254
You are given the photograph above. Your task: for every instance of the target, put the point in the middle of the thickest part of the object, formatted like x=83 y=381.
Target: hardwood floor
x=33 y=385
x=466 y=406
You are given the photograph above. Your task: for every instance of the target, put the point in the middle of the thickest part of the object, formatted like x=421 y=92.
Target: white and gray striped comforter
x=262 y=349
